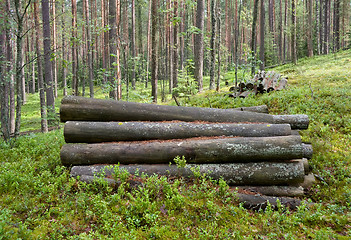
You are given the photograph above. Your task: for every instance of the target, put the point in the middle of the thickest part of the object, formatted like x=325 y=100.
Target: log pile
x=262 y=82
x=256 y=151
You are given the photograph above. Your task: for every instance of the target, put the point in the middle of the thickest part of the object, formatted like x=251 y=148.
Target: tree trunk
x=326 y=27
x=309 y=29
x=262 y=50
x=43 y=114
x=95 y=132
x=19 y=72
x=199 y=44
x=90 y=49
x=74 y=50
x=212 y=45
x=337 y=25
x=83 y=109
x=50 y=101
x=54 y=46
x=132 y=43
x=64 y=64
x=293 y=32
x=260 y=173
x=154 y=62
x=278 y=191
x=175 y=48
x=4 y=85
x=253 y=37
x=218 y=48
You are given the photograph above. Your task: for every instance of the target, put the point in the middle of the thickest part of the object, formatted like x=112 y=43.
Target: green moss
x=39 y=200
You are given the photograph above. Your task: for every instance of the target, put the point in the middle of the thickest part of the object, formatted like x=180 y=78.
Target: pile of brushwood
x=262 y=82
x=259 y=152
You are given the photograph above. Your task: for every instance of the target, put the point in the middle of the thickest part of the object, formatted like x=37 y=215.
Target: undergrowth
x=39 y=200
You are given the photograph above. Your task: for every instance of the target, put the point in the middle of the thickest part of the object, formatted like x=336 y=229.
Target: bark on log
x=87 y=109
x=261 y=173
x=278 y=191
x=245 y=94
x=282 y=84
x=219 y=150
x=257 y=202
x=258 y=109
x=95 y=132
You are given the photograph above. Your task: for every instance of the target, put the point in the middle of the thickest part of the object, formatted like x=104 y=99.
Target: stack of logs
x=262 y=82
x=257 y=151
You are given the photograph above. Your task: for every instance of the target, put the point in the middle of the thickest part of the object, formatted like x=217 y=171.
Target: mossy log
x=88 y=109
x=278 y=191
x=258 y=109
x=95 y=132
x=260 y=173
x=218 y=150
x=258 y=202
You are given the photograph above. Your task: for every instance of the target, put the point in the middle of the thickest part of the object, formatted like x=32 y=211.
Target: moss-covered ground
x=39 y=200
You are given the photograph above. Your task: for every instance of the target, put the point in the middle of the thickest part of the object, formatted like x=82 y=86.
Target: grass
x=39 y=200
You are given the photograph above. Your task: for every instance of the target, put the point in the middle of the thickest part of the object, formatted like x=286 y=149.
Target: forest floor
x=39 y=200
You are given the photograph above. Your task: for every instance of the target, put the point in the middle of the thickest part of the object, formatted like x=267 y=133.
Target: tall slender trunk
x=74 y=49
x=114 y=20
x=212 y=45
x=54 y=46
x=64 y=66
x=293 y=32
x=262 y=23
x=18 y=73
x=309 y=29
x=43 y=115
x=154 y=27
x=326 y=26
x=337 y=25
x=50 y=101
x=218 y=47
x=133 y=44
x=253 y=37
x=199 y=44
x=175 y=48
x=9 y=59
x=4 y=85
x=89 y=50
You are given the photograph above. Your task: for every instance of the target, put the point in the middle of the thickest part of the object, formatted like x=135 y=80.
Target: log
x=278 y=191
x=89 y=109
x=260 y=202
x=245 y=94
x=260 y=173
x=95 y=132
x=218 y=150
x=258 y=109
x=282 y=84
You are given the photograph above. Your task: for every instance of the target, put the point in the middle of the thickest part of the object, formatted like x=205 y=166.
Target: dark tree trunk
x=132 y=43
x=89 y=49
x=95 y=132
x=154 y=62
x=212 y=45
x=216 y=150
x=337 y=25
x=253 y=37
x=83 y=109
x=293 y=32
x=262 y=23
x=64 y=65
x=175 y=48
x=4 y=84
x=74 y=50
x=50 y=100
x=309 y=29
x=199 y=44
x=43 y=114
x=260 y=173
